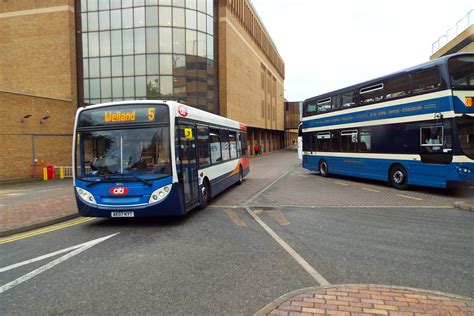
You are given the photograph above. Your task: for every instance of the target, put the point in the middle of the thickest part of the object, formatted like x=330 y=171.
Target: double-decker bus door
x=188 y=171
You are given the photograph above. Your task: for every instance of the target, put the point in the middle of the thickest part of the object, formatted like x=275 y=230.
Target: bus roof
x=436 y=62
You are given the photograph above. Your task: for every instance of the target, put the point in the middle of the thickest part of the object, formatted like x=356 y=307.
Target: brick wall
x=35 y=45
x=240 y=63
x=52 y=138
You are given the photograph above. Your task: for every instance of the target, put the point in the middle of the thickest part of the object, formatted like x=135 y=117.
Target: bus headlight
x=85 y=195
x=159 y=194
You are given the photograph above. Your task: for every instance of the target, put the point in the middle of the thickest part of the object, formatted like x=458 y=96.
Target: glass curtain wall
x=149 y=49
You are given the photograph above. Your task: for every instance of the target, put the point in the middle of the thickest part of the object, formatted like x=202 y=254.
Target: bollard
x=61 y=173
x=45 y=174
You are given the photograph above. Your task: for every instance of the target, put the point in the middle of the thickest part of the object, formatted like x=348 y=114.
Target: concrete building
x=459 y=38
x=292 y=122
x=211 y=54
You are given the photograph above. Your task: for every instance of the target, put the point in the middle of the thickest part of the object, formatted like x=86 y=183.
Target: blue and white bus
x=413 y=127
x=153 y=158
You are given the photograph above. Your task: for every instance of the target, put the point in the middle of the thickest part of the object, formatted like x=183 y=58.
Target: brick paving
x=35 y=204
x=354 y=300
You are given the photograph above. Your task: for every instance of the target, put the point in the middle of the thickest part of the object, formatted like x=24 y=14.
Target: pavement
x=27 y=206
x=361 y=299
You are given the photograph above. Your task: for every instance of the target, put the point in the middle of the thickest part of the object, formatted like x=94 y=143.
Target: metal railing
x=68 y=170
x=454 y=31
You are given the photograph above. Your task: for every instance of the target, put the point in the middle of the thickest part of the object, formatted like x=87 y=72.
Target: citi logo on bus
x=118 y=191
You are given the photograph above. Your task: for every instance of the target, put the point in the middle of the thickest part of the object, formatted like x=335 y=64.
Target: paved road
x=224 y=260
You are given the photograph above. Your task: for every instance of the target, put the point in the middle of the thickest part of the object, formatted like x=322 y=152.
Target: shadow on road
x=455 y=192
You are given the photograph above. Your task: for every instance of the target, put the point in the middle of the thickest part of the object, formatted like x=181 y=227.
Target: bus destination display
x=123 y=115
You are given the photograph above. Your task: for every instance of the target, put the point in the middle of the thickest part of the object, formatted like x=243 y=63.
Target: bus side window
x=224 y=136
x=431 y=136
x=426 y=80
x=203 y=146
x=310 y=109
x=364 y=141
x=324 y=141
x=336 y=103
x=371 y=94
x=397 y=87
x=348 y=140
x=348 y=99
x=233 y=145
x=215 y=145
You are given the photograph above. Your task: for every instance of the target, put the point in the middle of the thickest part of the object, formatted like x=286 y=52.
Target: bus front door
x=188 y=173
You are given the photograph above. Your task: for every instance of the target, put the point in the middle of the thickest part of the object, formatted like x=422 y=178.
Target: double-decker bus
x=153 y=158
x=412 y=127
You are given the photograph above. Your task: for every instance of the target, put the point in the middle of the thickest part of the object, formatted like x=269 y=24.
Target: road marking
x=268 y=186
x=279 y=217
x=409 y=197
x=14 y=194
x=303 y=263
x=80 y=248
x=45 y=230
x=371 y=190
x=235 y=218
x=360 y=206
x=341 y=183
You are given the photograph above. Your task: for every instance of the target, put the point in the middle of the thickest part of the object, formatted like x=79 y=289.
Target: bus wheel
x=241 y=176
x=323 y=168
x=399 y=177
x=205 y=195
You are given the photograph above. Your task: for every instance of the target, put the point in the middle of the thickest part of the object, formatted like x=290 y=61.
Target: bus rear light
x=159 y=194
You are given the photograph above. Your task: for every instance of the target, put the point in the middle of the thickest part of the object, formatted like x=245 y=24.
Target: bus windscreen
x=461 y=71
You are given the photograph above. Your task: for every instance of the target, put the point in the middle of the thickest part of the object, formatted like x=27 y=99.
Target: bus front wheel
x=399 y=177
x=323 y=168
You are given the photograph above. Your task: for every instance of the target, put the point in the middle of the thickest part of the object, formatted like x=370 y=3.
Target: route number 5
x=151 y=114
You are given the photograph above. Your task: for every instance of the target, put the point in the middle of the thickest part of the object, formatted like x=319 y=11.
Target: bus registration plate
x=122 y=214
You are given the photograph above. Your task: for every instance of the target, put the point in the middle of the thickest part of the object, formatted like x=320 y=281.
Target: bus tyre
x=323 y=168
x=399 y=177
x=205 y=195
x=241 y=176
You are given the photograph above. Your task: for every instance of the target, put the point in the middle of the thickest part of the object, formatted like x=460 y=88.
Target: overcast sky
x=330 y=44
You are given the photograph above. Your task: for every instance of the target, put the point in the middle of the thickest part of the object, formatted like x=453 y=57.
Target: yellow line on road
x=235 y=218
x=278 y=217
x=371 y=190
x=45 y=230
x=410 y=197
x=340 y=183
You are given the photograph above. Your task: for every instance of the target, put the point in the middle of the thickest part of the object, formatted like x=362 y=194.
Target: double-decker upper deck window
x=371 y=94
x=310 y=109
x=348 y=99
x=461 y=71
x=426 y=80
x=397 y=87
x=324 y=105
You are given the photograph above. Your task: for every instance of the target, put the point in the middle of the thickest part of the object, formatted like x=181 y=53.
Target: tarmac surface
x=31 y=205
